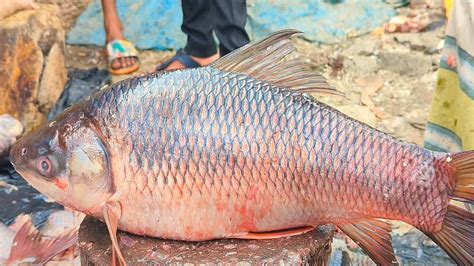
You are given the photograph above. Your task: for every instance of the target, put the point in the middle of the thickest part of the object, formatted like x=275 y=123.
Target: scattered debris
x=56 y=242
x=416 y=18
x=336 y=65
x=401 y=23
x=8 y=188
x=60 y=221
x=370 y=85
x=127 y=241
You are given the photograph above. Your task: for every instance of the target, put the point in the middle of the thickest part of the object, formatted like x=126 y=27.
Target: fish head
x=67 y=161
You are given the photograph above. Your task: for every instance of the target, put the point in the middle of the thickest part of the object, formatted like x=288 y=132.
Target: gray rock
x=405 y=64
x=424 y=41
x=364 y=64
x=365 y=46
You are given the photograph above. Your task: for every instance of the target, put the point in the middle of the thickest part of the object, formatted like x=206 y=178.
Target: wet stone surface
x=312 y=248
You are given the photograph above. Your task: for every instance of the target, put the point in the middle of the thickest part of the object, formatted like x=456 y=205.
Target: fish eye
x=44 y=166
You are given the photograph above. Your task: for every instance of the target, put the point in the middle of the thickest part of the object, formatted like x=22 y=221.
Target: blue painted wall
x=155 y=24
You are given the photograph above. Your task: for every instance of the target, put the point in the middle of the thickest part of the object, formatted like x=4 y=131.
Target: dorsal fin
x=266 y=60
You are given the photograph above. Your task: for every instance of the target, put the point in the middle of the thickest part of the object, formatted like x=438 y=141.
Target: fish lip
x=12 y=157
x=18 y=160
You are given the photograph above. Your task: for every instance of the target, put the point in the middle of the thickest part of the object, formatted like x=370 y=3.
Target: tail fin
x=463 y=163
x=457 y=235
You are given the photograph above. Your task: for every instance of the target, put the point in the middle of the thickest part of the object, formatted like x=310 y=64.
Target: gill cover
x=88 y=171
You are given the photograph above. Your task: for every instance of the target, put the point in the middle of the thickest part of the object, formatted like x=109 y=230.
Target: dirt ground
x=388 y=78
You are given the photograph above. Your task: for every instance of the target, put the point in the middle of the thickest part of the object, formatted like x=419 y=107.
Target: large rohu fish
x=237 y=150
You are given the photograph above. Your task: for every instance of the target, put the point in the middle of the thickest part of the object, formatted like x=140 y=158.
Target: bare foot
x=203 y=61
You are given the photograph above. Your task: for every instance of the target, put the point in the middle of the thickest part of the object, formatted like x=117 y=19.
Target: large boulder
x=32 y=68
x=68 y=10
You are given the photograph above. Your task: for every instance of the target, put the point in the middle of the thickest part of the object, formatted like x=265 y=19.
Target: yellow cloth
x=448 y=5
x=451 y=121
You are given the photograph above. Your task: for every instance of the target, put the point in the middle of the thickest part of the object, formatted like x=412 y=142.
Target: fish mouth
x=13 y=157
x=18 y=155
x=18 y=160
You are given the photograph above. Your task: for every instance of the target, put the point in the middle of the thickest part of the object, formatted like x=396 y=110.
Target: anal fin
x=112 y=213
x=456 y=236
x=276 y=234
x=373 y=236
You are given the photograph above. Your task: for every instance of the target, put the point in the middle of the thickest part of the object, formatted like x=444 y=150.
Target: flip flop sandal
x=183 y=58
x=120 y=49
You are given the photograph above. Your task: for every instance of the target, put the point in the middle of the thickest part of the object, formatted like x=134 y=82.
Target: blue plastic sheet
x=156 y=24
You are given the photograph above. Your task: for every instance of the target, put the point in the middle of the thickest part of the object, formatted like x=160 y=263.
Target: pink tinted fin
x=463 y=163
x=373 y=236
x=456 y=236
x=30 y=247
x=276 y=234
x=112 y=212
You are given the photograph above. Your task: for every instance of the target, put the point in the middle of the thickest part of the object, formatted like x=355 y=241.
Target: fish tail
x=456 y=235
x=463 y=162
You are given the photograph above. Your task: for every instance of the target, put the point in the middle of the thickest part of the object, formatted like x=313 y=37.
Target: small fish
x=237 y=150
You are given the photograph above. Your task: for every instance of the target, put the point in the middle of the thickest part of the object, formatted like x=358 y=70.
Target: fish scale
x=323 y=181
x=236 y=150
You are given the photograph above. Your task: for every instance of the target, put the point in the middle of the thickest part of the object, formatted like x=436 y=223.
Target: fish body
x=230 y=150
x=243 y=155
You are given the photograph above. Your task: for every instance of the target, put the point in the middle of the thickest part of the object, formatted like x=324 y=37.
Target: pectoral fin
x=373 y=236
x=112 y=212
x=276 y=234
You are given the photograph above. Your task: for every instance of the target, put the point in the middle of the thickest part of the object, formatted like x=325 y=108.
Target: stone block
x=312 y=248
x=32 y=68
